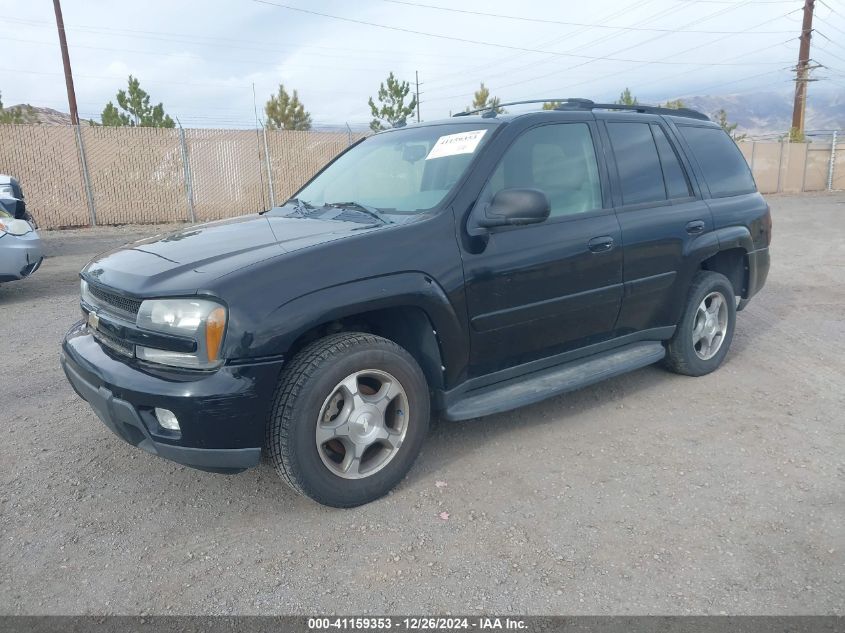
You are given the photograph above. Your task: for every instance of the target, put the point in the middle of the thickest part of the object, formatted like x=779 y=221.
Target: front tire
x=349 y=418
x=706 y=329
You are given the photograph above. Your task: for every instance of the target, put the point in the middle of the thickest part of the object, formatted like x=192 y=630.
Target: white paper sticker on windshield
x=452 y=144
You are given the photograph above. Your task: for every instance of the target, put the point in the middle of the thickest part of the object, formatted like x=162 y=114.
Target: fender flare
x=285 y=324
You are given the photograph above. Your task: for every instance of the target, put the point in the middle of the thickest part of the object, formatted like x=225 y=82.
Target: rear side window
x=638 y=163
x=721 y=162
x=677 y=185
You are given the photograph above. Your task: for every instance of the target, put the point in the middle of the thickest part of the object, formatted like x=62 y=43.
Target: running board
x=534 y=387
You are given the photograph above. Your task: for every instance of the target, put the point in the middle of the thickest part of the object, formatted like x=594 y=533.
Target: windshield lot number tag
x=453 y=144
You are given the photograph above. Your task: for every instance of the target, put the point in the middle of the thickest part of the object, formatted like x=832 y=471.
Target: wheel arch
x=409 y=309
x=733 y=264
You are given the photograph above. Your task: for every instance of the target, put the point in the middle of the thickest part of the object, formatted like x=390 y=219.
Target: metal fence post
x=269 y=170
x=832 y=162
x=89 y=193
x=186 y=170
x=780 y=166
x=348 y=135
x=806 y=160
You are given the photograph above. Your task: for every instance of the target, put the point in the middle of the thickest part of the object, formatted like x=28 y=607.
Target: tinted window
x=636 y=158
x=724 y=168
x=557 y=159
x=677 y=185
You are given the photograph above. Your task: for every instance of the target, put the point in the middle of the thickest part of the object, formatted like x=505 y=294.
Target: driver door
x=542 y=289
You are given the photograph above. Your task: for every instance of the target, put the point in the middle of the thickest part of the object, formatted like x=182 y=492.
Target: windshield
x=409 y=170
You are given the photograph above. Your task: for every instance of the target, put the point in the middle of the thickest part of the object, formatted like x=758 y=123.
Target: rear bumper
x=758 y=271
x=20 y=256
x=222 y=415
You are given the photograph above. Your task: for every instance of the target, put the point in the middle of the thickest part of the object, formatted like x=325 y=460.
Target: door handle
x=695 y=227
x=601 y=244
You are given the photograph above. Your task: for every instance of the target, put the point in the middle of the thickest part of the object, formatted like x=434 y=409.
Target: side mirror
x=516 y=206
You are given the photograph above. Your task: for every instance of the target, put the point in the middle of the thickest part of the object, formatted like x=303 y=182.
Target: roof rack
x=586 y=104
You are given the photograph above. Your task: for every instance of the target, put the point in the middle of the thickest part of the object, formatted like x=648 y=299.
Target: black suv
x=467 y=267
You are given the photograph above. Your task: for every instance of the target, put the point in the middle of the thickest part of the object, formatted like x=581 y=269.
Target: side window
x=721 y=162
x=558 y=159
x=636 y=159
x=677 y=185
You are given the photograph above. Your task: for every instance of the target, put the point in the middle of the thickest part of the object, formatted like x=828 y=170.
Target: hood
x=188 y=260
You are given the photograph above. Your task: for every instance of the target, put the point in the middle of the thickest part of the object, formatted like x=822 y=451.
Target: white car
x=20 y=246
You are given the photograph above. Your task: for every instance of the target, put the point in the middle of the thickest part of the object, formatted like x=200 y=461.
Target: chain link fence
x=79 y=176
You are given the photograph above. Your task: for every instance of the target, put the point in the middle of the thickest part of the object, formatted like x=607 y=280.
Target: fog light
x=167 y=419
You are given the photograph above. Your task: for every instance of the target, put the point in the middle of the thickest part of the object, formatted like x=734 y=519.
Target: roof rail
x=586 y=104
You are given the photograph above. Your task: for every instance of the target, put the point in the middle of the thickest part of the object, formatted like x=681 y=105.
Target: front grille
x=107 y=299
x=114 y=343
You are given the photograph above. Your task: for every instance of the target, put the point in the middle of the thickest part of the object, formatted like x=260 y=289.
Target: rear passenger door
x=661 y=214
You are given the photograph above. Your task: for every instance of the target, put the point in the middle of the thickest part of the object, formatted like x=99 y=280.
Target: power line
x=561 y=22
x=196 y=40
x=589 y=43
x=827 y=52
x=826 y=23
x=481 y=42
x=555 y=40
x=122 y=78
x=558 y=71
x=196 y=56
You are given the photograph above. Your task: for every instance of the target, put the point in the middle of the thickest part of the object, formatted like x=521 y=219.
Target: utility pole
x=802 y=72
x=71 y=94
x=417 y=76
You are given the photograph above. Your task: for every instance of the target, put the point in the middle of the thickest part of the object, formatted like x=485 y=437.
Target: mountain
x=771 y=112
x=49 y=116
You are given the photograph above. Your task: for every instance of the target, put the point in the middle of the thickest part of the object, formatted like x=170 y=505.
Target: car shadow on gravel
x=452 y=441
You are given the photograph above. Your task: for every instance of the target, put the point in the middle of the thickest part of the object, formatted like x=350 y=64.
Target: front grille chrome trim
x=114 y=303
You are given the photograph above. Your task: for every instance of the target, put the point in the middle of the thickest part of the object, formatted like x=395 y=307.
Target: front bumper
x=222 y=415
x=20 y=256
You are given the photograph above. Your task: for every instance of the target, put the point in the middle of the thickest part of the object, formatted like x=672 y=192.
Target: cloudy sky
x=202 y=58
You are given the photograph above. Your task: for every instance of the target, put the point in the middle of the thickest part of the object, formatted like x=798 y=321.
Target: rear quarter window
x=721 y=162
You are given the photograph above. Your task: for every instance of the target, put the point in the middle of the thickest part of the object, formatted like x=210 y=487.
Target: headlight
x=200 y=319
x=85 y=293
x=14 y=227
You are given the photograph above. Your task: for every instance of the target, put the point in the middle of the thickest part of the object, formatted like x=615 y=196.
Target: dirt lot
x=650 y=493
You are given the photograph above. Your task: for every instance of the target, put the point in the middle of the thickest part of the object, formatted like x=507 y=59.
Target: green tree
x=795 y=135
x=722 y=119
x=626 y=98
x=18 y=114
x=551 y=105
x=286 y=112
x=481 y=100
x=674 y=104
x=393 y=110
x=136 y=109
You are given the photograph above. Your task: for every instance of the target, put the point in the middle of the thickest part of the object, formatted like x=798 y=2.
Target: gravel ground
x=649 y=493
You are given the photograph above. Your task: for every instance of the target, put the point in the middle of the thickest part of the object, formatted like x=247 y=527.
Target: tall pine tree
x=392 y=110
x=135 y=109
x=482 y=100
x=286 y=112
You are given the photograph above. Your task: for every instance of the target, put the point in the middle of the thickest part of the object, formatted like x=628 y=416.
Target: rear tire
x=706 y=328
x=349 y=418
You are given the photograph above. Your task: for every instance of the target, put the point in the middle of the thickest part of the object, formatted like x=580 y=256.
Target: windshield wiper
x=357 y=206
x=299 y=206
